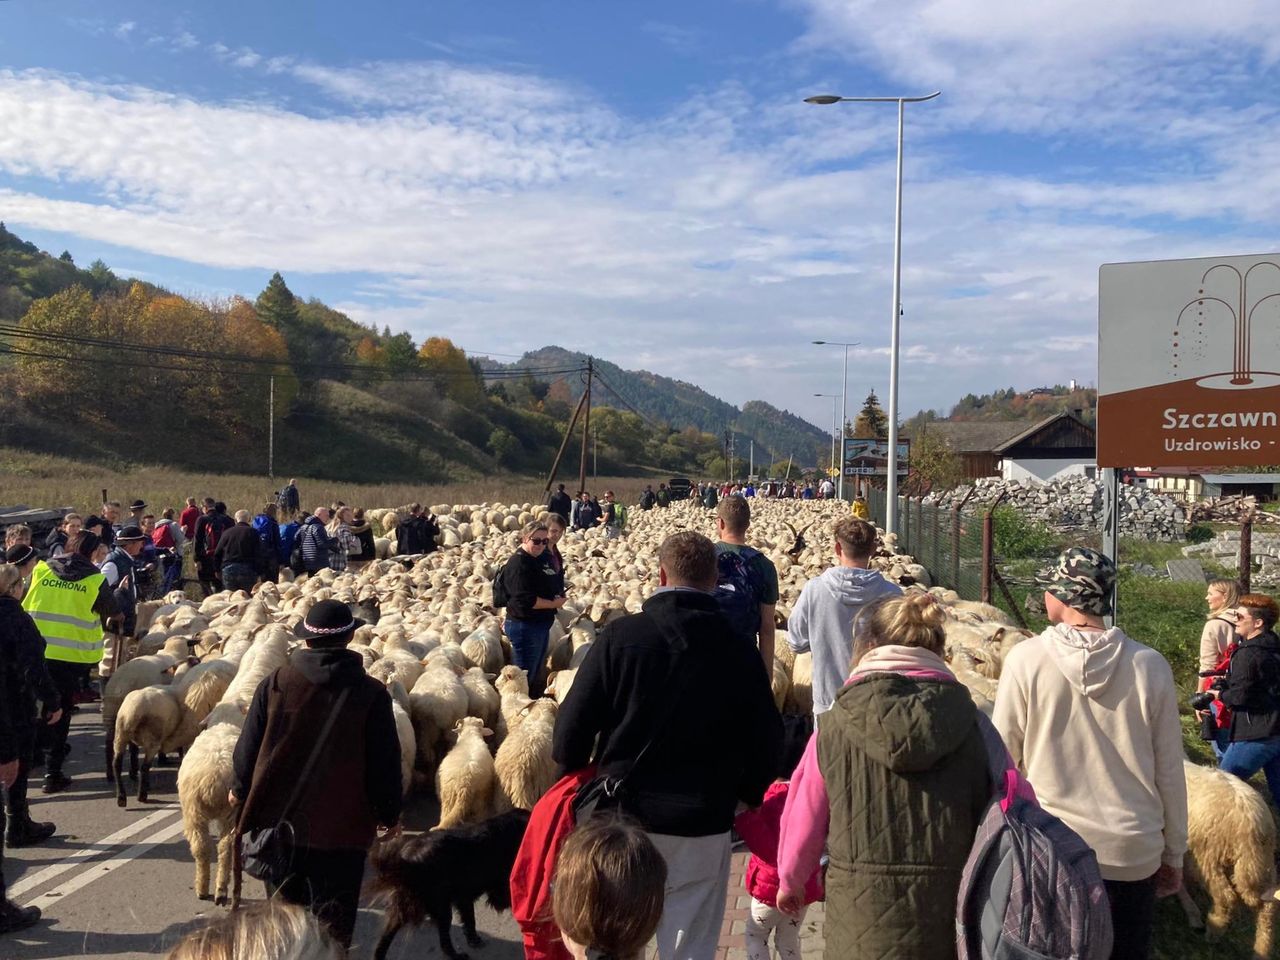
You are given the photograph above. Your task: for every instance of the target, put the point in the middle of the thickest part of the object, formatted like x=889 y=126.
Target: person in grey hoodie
x=822 y=619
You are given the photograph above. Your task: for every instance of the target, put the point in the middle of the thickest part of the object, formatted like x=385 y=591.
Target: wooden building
x=1060 y=445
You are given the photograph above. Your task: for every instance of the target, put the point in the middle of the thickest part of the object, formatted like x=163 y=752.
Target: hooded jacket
x=1091 y=719
x=822 y=622
x=73 y=567
x=719 y=741
x=1252 y=688
x=355 y=783
x=895 y=781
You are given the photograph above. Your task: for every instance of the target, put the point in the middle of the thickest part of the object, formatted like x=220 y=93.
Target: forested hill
x=101 y=368
x=777 y=433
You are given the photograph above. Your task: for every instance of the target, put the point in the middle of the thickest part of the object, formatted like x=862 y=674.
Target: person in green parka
x=894 y=783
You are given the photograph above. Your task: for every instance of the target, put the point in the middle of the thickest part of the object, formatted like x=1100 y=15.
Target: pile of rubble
x=1229 y=510
x=1076 y=503
x=1224 y=549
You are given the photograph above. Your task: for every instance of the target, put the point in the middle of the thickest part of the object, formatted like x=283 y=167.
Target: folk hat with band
x=131 y=532
x=19 y=554
x=138 y=505
x=1084 y=580
x=327 y=619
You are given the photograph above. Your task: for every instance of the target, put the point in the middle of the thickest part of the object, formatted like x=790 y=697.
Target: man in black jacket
x=560 y=502
x=239 y=555
x=683 y=711
x=352 y=791
x=417 y=533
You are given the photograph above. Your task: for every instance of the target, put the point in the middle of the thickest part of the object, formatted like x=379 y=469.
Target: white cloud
x=710 y=244
x=124 y=30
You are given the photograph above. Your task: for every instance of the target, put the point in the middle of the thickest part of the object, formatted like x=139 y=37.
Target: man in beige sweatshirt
x=1091 y=718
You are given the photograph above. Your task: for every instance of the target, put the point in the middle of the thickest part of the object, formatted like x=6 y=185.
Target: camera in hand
x=1203 y=700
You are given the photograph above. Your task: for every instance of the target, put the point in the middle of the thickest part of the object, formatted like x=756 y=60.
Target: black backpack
x=500 y=596
x=737 y=592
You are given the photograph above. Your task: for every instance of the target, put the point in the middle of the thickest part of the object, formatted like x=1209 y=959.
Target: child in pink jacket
x=760 y=830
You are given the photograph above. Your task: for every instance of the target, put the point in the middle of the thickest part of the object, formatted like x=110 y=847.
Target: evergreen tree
x=871 y=422
x=277 y=305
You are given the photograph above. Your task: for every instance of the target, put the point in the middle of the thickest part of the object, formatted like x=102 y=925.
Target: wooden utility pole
x=586 y=428
x=568 y=432
x=271 y=428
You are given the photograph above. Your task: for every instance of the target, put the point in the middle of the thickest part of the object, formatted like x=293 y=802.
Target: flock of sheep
x=467 y=726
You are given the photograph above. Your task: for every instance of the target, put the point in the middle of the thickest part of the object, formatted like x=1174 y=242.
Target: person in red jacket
x=187 y=519
x=759 y=830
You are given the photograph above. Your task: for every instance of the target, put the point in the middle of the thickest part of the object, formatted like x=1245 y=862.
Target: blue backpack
x=737 y=592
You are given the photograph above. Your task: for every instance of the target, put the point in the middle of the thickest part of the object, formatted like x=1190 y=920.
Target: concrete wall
x=1042 y=471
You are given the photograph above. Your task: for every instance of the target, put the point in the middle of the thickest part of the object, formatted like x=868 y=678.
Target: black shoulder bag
x=603 y=792
x=267 y=853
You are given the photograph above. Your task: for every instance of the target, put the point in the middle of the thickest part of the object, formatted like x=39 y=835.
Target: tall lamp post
x=891 y=505
x=834 y=397
x=844 y=405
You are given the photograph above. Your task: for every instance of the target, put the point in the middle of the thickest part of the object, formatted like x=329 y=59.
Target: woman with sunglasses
x=535 y=591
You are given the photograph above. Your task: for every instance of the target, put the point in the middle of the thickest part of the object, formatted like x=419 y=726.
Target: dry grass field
x=40 y=480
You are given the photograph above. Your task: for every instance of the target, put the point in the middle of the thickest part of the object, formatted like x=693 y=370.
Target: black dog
x=432 y=874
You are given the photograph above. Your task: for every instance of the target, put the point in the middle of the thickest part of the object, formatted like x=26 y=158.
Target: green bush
x=1017 y=537
x=1199 y=533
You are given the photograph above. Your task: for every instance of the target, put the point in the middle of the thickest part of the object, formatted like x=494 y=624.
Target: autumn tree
x=872 y=422
x=934 y=462
x=439 y=358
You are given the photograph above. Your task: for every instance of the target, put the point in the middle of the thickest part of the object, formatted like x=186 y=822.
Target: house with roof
x=1057 y=446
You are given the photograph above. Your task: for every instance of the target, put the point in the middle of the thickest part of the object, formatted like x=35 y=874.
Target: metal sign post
x=1111 y=529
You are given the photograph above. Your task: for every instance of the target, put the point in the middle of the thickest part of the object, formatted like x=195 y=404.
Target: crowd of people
x=672 y=723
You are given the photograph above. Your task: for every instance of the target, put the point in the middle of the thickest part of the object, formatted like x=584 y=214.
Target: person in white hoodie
x=1090 y=716
x=822 y=619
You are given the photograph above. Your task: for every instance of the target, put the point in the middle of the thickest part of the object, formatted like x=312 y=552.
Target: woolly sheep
x=523 y=767
x=204 y=781
x=136 y=674
x=437 y=702
x=800 y=697
x=559 y=684
x=1232 y=844
x=267 y=654
x=404 y=733
x=483 y=649
x=465 y=779
x=397 y=665
x=483 y=701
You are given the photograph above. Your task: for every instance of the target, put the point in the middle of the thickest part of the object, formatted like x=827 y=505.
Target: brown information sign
x=1189 y=362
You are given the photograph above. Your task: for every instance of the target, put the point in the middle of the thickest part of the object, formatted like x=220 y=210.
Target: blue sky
x=642 y=181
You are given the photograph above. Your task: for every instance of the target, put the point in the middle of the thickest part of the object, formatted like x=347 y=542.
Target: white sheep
x=465 y=779
x=523 y=767
x=483 y=701
x=400 y=706
x=204 y=782
x=559 y=684
x=1232 y=843
x=268 y=653
x=799 y=699
x=483 y=649
x=437 y=702
x=398 y=666
x=134 y=675
x=160 y=719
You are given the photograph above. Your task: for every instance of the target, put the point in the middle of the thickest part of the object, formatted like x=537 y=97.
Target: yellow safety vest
x=63 y=612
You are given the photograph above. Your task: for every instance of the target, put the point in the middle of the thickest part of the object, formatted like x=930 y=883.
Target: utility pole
x=595 y=455
x=751 y=470
x=271 y=428
x=586 y=428
x=568 y=433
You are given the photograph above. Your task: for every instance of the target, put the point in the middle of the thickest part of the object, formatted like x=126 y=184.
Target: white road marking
x=99 y=870
x=84 y=855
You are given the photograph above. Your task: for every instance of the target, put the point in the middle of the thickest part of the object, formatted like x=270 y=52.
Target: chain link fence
x=947 y=541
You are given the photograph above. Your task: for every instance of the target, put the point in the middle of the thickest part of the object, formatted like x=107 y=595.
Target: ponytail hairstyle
x=911 y=620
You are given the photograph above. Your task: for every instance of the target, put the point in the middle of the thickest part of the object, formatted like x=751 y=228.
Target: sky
x=643 y=181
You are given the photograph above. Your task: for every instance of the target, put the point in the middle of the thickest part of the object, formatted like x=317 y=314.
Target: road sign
x=870 y=457
x=1189 y=362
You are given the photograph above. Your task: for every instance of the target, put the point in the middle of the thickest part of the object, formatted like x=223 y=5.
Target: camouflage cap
x=1083 y=579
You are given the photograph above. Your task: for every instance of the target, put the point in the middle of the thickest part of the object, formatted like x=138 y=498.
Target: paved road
x=118 y=883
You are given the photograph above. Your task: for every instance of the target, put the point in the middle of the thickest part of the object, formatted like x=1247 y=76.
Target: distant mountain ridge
x=778 y=434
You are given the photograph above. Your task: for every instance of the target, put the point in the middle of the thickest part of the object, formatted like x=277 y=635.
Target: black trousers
x=1133 y=917
x=15 y=800
x=327 y=883
x=68 y=678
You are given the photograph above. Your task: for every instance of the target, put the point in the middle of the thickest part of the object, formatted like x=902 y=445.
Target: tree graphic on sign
x=1235 y=305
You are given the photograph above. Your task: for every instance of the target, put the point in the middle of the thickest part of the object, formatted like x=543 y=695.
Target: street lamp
x=844 y=403
x=834 y=397
x=891 y=506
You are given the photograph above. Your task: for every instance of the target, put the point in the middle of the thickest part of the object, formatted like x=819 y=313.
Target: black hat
x=138 y=505
x=19 y=554
x=328 y=619
x=93 y=520
x=129 y=533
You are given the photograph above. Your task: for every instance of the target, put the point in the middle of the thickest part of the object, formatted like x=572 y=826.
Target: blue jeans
x=1223 y=738
x=529 y=648
x=1244 y=758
